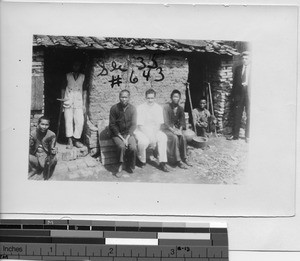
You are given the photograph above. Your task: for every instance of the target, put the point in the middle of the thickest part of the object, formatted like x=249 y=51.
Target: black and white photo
x=178 y=107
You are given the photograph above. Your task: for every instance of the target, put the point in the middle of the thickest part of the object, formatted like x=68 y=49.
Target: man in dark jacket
x=122 y=123
x=241 y=96
x=42 y=151
x=174 y=119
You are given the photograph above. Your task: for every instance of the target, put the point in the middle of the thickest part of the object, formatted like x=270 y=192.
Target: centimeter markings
x=112 y=240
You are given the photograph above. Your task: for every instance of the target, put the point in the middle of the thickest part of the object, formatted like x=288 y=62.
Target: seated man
x=149 y=122
x=122 y=123
x=203 y=121
x=174 y=124
x=42 y=151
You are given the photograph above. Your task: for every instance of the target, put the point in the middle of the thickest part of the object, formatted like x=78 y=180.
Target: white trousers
x=74 y=122
x=144 y=142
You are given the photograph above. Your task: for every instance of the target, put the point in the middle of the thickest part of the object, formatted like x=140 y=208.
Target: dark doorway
x=202 y=68
x=57 y=63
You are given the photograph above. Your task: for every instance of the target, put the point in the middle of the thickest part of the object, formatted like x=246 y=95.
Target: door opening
x=201 y=70
x=57 y=63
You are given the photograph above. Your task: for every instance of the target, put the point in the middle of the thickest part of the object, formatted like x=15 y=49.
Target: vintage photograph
x=139 y=110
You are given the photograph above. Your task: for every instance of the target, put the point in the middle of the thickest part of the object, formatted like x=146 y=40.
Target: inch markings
x=112 y=240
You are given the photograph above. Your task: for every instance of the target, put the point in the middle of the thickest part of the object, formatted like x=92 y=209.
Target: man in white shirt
x=150 y=118
x=74 y=96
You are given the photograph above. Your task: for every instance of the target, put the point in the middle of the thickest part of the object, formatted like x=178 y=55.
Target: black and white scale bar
x=113 y=240
x=29 y=249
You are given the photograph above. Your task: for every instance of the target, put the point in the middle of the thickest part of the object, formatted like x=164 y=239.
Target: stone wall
x=221 y=83
x=38 y=62
x=37 y=87
x=34 y=117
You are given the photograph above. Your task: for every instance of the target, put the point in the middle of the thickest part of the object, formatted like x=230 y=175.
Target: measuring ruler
x=112 y=240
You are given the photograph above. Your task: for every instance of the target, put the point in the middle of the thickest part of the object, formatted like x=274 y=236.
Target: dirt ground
x=221 y=162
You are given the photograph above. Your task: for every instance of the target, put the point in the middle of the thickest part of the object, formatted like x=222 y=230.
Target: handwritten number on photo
x=146 y=74
x=133 y=79
x=142 y=62
x=161 y=74
x=154 y=63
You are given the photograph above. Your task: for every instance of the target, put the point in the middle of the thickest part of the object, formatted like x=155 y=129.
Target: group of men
x=148 y=128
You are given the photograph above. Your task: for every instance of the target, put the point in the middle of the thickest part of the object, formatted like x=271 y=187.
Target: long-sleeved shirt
x=201 y=117
x=122 y=120
x=173 y=119
x=43 y=140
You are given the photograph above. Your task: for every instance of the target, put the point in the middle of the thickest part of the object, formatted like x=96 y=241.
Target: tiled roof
x=107 y=43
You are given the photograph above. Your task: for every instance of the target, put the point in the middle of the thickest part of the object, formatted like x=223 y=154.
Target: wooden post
x=191 y=105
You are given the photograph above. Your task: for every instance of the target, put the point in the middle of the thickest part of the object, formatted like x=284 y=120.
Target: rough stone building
x=112 y=64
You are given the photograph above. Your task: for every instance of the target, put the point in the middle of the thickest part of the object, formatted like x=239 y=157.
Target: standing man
x=74 y=95
x=241 y=96
x=42 y=151
x=122 y=124
x=149 y=122
x=174 y=124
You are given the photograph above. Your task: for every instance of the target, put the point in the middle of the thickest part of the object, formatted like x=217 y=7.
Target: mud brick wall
x=34 y=117
x=91 y=137
x=221 y=83
x=119 y=70
x=171 y=73
x=37 y=88
x=38 y=63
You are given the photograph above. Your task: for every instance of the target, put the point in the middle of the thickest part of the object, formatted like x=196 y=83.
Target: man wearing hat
x=241 y=96
x=74 y=105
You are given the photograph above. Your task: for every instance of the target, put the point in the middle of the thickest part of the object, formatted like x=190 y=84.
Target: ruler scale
x=112 y=240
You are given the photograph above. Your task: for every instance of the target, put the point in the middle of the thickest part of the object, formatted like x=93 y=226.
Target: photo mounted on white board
x=228 y=177
x=139 y=110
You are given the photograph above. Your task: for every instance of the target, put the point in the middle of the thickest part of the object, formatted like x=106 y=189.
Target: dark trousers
x=42 y=163
x=241 y=103
x=201 y=131
x=176 y=147
x=126 y=154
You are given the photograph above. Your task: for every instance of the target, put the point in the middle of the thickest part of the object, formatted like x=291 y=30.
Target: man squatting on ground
x=74 y=105
x=122 y=123
x=42 y=151
x=203 y=121
x=148 y=133
x=241 y=96
x=174 y=119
